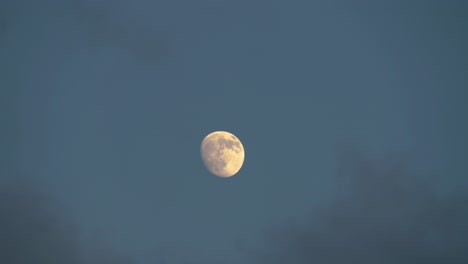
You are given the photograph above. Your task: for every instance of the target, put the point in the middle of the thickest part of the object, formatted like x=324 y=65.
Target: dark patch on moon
x=228 y=143
x=213 y=158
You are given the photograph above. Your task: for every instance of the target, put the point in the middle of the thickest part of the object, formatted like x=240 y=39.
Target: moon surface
x=222 y=153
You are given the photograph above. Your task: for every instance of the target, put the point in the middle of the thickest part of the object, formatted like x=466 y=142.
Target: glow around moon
x=222 y=153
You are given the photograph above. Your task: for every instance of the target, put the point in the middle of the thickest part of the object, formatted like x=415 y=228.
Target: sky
x=338 y=104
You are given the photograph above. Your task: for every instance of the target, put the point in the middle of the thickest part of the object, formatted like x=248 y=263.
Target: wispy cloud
x=105 y=26
x=32 y=230
x=384 y=213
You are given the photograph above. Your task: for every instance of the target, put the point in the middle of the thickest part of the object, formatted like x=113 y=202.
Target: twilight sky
x=104 y=105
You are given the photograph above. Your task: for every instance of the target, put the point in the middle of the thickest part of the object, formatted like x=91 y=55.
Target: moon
x=222 y=153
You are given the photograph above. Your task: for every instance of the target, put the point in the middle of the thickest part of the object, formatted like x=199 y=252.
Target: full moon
x=222 y=153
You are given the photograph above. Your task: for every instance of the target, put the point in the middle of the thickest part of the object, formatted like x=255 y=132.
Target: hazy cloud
x=32 y=231
x=104 y=25
x=385 y=213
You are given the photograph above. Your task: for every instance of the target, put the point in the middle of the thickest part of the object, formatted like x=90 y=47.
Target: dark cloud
x=95 y=24
x=32 y=231
x=105 y=26
x=385 y=213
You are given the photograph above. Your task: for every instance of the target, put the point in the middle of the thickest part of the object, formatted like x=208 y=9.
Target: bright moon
x=222 y=153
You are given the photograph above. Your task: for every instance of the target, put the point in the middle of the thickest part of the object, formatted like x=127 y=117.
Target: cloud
x=105 y=26
x=385 y=213
x=32 y=231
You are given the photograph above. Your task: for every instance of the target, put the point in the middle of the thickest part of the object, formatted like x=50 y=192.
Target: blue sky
x=106 y=104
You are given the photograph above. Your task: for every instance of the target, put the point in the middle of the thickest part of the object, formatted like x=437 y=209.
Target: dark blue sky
x=106 y=103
